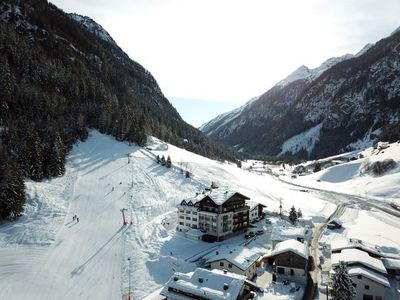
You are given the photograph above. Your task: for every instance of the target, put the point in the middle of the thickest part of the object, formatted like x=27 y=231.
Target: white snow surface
x=352 y=177
x=241 y=257
x=291 y=245
x=303 y=141
x=47 y=255
x=352 y=256
x=212 y=286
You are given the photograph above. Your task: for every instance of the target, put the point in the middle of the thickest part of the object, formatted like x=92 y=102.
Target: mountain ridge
x=355 y=96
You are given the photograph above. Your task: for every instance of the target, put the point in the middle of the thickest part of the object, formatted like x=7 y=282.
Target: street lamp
x=129 y=272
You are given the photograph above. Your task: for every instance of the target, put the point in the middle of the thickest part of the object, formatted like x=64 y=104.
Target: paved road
x=367 y=201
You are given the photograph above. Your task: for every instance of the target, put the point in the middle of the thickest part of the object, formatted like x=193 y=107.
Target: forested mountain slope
x=63 y=73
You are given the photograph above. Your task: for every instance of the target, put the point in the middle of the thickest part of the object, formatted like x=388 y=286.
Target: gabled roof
x=219 y=197
x=211 y=287
x=254 y=204
x=241 y=257
x=374 y=276
x=291 y=245
x=356 y=257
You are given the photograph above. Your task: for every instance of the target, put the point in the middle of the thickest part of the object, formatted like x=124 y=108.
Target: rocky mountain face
x=346 y=103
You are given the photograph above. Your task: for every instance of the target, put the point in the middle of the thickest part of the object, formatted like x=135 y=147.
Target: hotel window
x=367 y=287
x=221 y=263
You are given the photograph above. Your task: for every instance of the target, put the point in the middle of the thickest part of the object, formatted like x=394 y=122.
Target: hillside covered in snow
x=48 y=254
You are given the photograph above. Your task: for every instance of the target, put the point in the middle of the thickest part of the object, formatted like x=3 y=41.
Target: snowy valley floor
x=48 y=255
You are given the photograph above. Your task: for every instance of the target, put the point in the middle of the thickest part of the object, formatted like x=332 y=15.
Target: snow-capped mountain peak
x=303 y=72
x=93 y=27
x=300 y=73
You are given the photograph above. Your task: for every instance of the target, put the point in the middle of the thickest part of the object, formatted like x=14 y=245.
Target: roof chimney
x=226 y=286
x=225 y=271
x=176 y=278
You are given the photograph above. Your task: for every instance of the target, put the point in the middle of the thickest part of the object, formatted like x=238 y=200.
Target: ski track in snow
x=47 y=255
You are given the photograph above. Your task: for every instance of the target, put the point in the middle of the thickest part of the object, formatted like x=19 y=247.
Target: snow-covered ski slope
x=47 y=255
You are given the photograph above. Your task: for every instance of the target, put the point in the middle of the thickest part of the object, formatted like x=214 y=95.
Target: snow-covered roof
x=241 y=257
x=212 y=286
x=379 y=278
x=391 y=263
x=218 y=196
x=252 y=204
x=291 y=245
x=351 y=243
x=282 y=233
x=355 y=256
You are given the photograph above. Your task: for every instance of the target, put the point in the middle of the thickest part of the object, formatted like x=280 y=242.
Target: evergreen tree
x=239 y=164
x=187 y=174
x=293 y=215
x=163 y=160
x=158 y=159
x=317 y=167
x=299 y=213
x=168 y=164
x=12 y=188
x=5 y=84
x=342 y=286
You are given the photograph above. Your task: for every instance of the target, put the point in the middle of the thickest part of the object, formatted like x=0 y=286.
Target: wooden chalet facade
x=219 y=215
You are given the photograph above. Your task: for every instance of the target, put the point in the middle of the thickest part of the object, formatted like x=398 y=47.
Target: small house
x=205 y=284
x=256 y=211
x=289 y=257
x=239 y=260
x=334 y=224
x=368 y=273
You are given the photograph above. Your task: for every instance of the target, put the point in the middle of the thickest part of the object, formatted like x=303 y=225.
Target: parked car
x=259 y=232
x=246 y=236
x=251 y=234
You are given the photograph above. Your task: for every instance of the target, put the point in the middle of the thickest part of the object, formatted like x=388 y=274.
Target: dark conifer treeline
x=57 y=79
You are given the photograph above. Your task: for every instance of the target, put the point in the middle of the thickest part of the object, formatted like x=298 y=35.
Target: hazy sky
x=211 y=51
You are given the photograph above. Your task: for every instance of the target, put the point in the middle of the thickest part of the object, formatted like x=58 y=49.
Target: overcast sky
x=229 y=51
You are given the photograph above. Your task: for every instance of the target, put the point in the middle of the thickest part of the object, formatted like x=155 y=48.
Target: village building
x=283 y=233
x=239 y=260
x=205 y=284
x=334 y=224
x=289 y=258
x=369 y=285
x=355 y=257
x=368 y=273
x=256 y=211
x=217 y=214
x=352 y=243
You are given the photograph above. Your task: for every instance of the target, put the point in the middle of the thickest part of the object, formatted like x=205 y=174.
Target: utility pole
x=123 y=215
x=129 y=273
